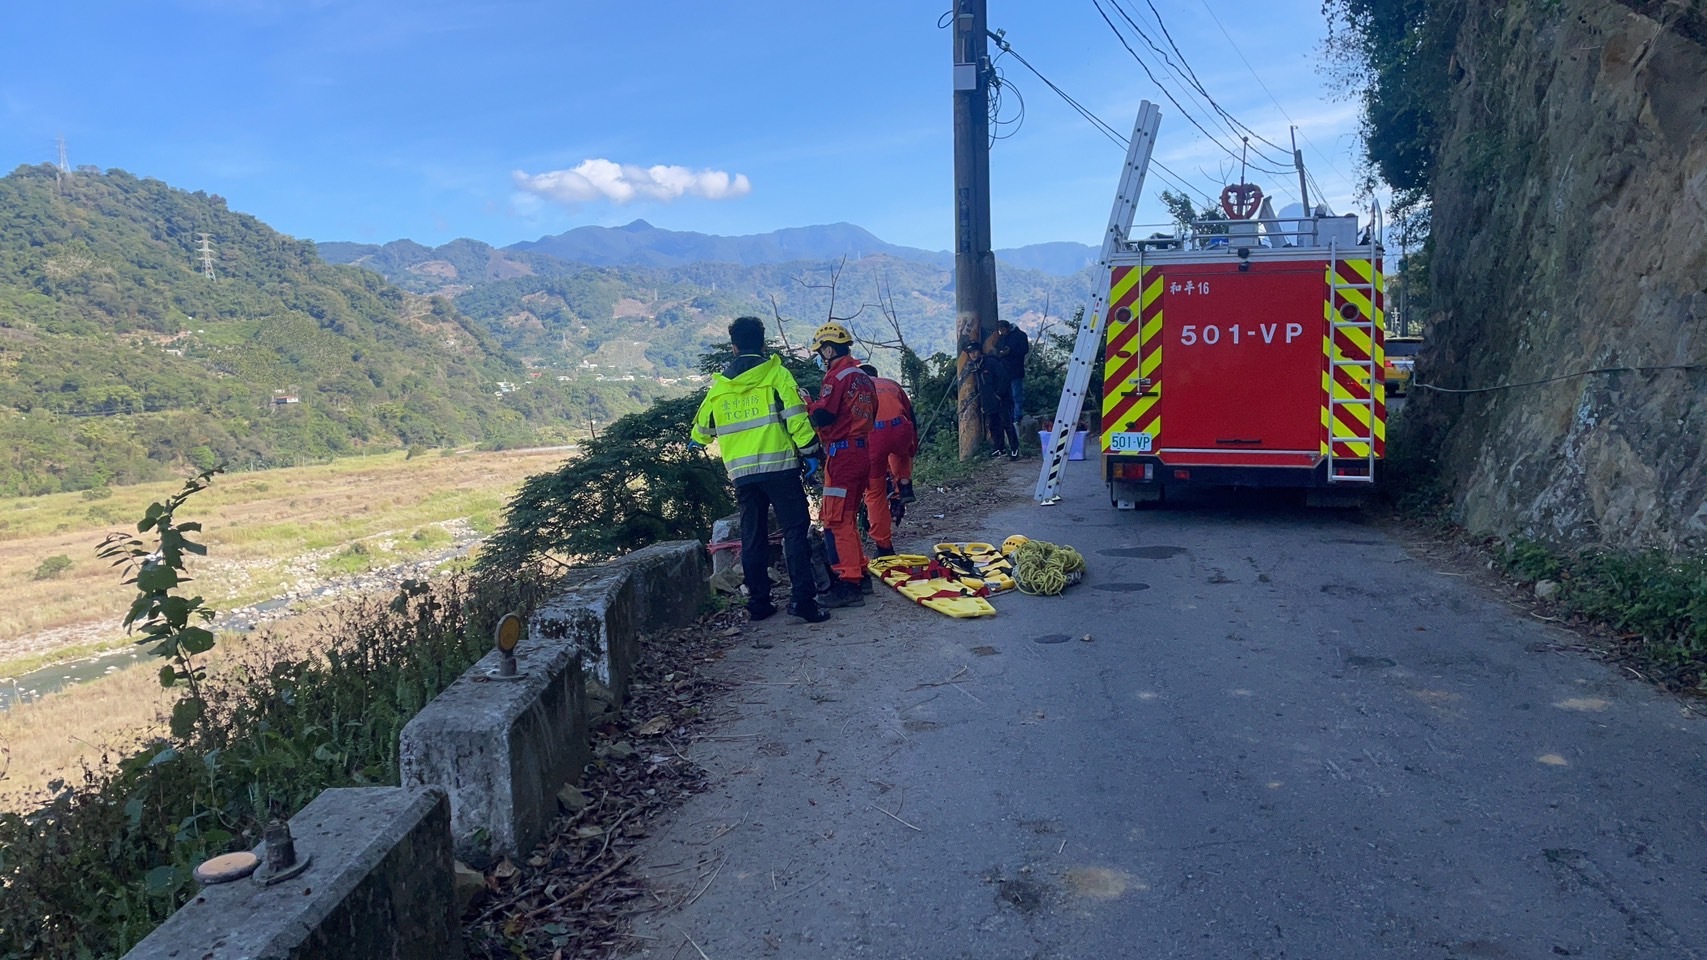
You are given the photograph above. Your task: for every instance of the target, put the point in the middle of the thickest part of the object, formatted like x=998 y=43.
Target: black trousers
x=1001 y=429
x=758 y=496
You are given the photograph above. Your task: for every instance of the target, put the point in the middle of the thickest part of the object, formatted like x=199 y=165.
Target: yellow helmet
x=1014 y=543
x=831 y=333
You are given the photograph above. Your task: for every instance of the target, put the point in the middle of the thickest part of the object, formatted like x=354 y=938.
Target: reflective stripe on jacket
x=758 y=420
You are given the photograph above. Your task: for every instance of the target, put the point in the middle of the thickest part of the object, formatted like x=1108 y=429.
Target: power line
x=1095 y=121
x=1230 y=42
x=1157 y=83
x=1699 y=365
x=1188 y=76
x=1102 y=127
x=1000 y=86
x=1167 y=61
x=1164 y=25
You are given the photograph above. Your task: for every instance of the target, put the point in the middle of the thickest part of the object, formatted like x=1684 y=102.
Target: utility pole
x=974 y=263
x=206 y=250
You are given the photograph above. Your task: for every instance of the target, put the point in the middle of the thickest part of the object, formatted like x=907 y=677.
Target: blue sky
x=434 y=119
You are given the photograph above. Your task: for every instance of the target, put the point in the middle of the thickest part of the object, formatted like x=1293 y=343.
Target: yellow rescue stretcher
x=955 y=581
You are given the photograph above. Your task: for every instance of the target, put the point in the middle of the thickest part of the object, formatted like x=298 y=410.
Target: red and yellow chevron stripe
x=1133 y=354
x=1347 y=429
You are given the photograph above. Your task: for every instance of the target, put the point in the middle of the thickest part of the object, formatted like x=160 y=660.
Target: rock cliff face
x=1570 y=224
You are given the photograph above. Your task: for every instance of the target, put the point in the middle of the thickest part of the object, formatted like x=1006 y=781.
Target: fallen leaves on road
x=571 y=899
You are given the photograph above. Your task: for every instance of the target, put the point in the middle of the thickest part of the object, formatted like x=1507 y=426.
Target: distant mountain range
x=656 y=321
x=640 y=244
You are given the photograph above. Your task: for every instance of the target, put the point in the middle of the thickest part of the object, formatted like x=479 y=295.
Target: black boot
x=811 y=612
x=907 y=492
x=865 y=585
x=845 y=593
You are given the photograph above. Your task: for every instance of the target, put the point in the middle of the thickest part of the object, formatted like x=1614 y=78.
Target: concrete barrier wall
x=606 y=609
x=504 y=749
x=378 y=884
x=481 y=767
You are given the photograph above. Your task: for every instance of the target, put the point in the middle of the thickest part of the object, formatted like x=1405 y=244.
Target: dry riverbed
x=274 y=538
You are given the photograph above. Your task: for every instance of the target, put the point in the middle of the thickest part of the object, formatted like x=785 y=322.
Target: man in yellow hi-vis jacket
x=755 y=413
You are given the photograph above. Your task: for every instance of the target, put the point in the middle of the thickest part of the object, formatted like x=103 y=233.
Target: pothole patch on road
x=1585 y=704
x=1022 y=893
x=1370 y=663
x=1120 y=587
x=1051 y=638
x=921 y=726
x=1100 y=883
x=1158 y=552
x=985 y=651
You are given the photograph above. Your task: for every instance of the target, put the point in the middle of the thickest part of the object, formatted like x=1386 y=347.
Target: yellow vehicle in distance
x=1401 y=363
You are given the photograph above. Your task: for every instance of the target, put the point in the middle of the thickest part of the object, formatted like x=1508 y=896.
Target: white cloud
x=599 y=179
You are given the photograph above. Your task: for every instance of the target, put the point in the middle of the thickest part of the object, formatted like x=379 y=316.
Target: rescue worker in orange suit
x=843 y=415
x=894 y=442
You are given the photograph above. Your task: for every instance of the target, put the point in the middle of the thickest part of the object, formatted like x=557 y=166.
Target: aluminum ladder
x=1138 y=151
x=1368 y=366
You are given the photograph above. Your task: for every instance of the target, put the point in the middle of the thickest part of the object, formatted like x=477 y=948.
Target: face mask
x=819 y=360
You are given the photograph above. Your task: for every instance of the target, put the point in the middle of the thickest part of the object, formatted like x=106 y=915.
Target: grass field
x=267 y=533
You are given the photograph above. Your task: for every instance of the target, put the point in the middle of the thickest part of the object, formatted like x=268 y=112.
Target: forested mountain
x=648 y=321
x=120 y=361
x=640 y=244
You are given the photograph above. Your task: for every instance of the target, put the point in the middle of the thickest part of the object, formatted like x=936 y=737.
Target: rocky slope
x=1570 y=231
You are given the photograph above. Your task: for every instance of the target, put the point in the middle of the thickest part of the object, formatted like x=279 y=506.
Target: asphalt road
x=1286 y=736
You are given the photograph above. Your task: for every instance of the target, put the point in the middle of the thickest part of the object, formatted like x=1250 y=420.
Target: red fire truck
x=1245 y=352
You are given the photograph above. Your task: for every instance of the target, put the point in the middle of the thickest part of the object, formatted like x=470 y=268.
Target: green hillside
x=120 y=361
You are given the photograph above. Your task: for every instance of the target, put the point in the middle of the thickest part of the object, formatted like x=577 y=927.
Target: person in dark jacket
x=990 y=376
x=1010 y=345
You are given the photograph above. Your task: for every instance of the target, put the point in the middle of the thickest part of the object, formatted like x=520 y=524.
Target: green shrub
x=358 y=557
x=52 y=567
x=109 y=857
x=429 y=537
x=939 y=461
x=1656 y=600
x=1532 y=561
x=636 y=484
x=97 y=493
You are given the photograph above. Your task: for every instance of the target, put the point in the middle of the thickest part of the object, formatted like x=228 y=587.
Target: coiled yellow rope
x=1046 y=569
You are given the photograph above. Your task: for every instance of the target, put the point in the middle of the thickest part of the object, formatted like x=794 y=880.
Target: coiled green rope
x=1046 y=569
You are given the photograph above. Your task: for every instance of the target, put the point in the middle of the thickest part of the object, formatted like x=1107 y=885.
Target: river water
x=40 y=683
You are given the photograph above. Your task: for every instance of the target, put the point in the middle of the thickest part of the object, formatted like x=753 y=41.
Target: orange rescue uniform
x=894 y=441
x=843 y=414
